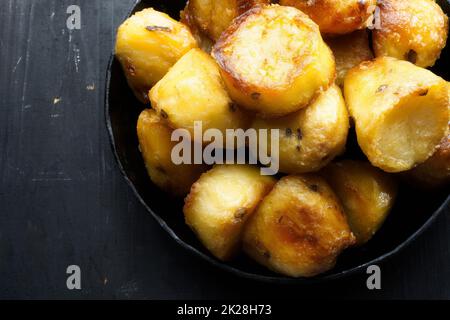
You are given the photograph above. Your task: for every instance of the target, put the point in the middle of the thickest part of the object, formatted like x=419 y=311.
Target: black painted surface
x=63 y=200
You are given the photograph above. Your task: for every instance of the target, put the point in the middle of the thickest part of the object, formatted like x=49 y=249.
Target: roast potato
x=299 y=228
x=193 y=91
x=212 y=17
x=349 y=51
x=400 y=112
x=366 y=193
x=220 y=203
x=413 y=30
x=274 y=60
x=148 y=44
x=435 y=172
x=336 y=16
x=312 y=137
x=156 y=147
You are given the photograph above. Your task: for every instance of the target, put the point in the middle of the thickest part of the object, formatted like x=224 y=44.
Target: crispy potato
x=367 y=195
x=400 y=112
x=274 y=60
x=212 y=17
x=148 y=45
x=435 y=172
x=156 y=147
x=311 y=137
x=220 y=203
x=349 y=51
x=299 y=228
x=336 y=16
x=193 y=91
x=413 y=30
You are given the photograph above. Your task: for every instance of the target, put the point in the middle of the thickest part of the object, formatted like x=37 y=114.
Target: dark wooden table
x=63 y=200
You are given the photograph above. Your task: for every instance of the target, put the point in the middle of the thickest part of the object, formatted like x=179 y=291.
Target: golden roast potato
x=311 y=137
x=212 y=17
x=156 y=147
x=299 y=229
x=221 y=202
x=193 y=91
x=349 y=51
x=435 y=172
x=336 y=16
x=148 y=44
x=273 y=60
x=400 y=112
x=413 y=30
x=366 y=193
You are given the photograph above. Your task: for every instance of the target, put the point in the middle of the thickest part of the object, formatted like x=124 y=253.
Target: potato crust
x=148 y=45
x=400 y=112
x=212 y=17
x=273 y=60
x=220 y=203
x=299 y=228
x=193 y=91
x=156 y=147
x=413 y=30
x=367 y=195
x=435 y=172
x=311 y=137
x=336 y=16
x=349 y=51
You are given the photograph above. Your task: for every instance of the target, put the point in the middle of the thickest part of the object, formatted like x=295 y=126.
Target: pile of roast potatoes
x=313 y=69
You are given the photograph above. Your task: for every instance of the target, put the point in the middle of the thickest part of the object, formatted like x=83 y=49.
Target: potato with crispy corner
x=274 y=61
x=156 y=147
x=349 y=51
x=413 y=30
x=299 y=229
x=311 y=137
x=435 y=172
x=193 y=91
x=203 y=41
x=400 y=112
x=366 y=193
x=148 y=45
x=212 y=17
x=221 y=202
x=336 y=16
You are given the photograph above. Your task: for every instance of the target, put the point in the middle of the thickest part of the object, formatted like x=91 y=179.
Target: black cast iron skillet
x=413 y=213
